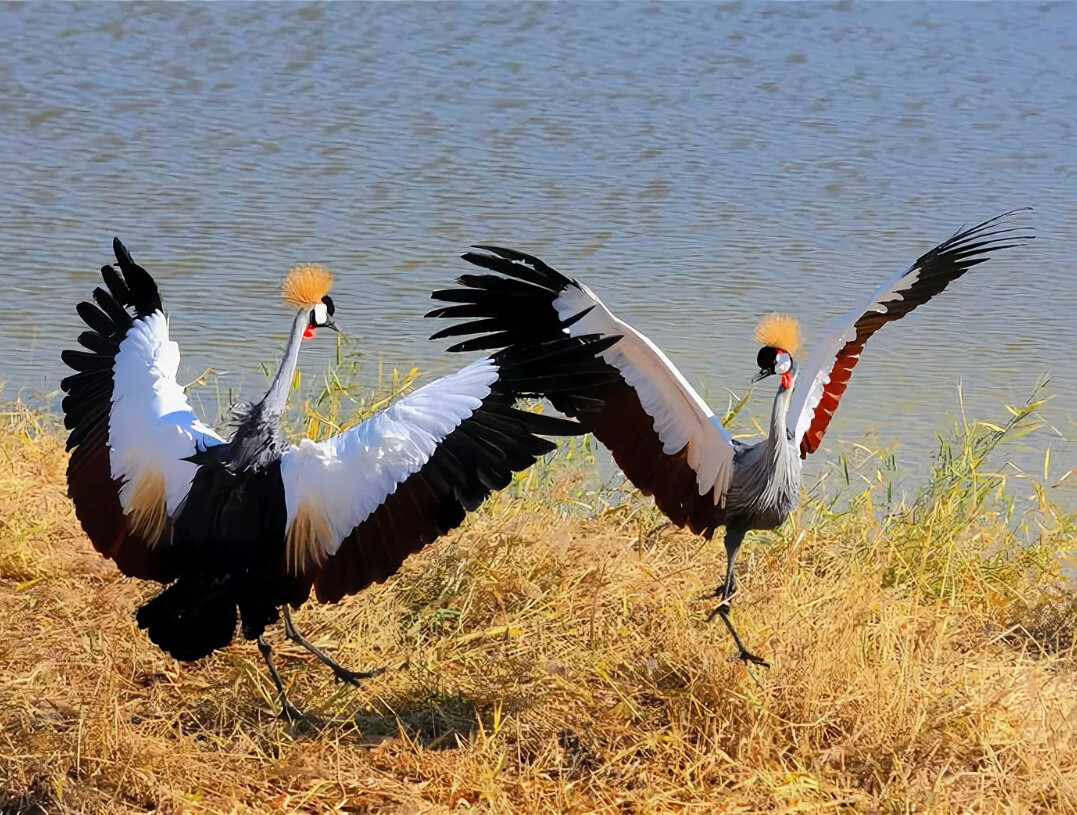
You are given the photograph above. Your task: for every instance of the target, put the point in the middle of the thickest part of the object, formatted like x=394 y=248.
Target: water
x=698 y=165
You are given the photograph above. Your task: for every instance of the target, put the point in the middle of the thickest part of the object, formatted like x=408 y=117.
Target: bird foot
x=746 y=656
x=341 y=673
x=354 y=677
x=743 y=654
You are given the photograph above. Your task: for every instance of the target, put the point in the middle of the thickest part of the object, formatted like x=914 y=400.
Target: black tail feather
x=192 y=618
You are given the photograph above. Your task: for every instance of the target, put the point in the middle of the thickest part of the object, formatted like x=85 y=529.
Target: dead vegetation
x=552 y=657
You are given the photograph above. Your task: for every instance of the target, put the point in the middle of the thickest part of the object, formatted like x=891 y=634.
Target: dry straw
x=545 y=659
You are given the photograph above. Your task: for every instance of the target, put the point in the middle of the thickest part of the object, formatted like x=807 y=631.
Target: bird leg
x=288 y=711
x=742 y=652
x=342 y=674
x=725 y=592
x=734 y=537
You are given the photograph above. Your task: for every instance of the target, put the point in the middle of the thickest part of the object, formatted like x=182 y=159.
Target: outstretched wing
x=131 y=426
x=827 y=373
x=360 y=502
x=662 y=434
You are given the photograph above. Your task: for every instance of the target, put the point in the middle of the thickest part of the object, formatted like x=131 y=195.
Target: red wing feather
x=844 y=363
x=930 y=275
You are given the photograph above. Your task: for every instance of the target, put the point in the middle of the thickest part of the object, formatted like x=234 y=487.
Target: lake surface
x=698 y=165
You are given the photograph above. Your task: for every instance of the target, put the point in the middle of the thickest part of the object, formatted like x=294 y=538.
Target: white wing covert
x=682 y=420
x=152 y=429
x=332 y=486
x=664 y=437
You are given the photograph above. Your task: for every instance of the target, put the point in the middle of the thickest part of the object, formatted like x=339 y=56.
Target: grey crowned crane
x=246 y=527
x=664 y=437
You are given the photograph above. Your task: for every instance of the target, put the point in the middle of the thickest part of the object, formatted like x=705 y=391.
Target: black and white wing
x=664 y=437
x=360 y=502
x=131 y=427
x=823 y=380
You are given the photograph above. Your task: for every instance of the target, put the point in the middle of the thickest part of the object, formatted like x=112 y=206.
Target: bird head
x=779 y=334
x=306 y=287
x=321 y=316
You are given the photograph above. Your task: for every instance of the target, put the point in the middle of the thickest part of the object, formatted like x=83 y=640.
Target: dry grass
x=543 y=661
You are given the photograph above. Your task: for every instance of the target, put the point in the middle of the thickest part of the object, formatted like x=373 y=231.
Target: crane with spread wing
x=665 y=438
x=244 y=527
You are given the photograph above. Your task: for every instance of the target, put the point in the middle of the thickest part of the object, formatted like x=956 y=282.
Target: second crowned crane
x=666 y=439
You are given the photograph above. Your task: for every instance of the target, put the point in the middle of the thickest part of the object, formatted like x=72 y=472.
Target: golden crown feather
x=779 y=331
x=305 y=285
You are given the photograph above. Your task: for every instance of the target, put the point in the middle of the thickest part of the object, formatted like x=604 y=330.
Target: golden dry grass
x=541 y=663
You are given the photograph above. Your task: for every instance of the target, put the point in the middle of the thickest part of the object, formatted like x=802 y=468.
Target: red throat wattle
x=787 y=377
x=309 y=332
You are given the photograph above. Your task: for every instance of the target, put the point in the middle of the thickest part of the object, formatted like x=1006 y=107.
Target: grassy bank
x=552 y=656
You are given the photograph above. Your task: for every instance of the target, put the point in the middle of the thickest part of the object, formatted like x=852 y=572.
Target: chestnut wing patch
x=129 y=422
x=831 y=366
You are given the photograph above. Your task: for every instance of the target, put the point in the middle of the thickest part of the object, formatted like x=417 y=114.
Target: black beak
x=331 y=324
x=763 y=374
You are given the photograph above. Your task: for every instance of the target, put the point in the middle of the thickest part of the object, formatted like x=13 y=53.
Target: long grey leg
x=734 y=537
x=288 y=711
x=342 y=674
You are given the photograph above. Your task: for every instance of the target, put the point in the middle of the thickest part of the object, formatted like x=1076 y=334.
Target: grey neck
x=777 y=438
x=276 y=399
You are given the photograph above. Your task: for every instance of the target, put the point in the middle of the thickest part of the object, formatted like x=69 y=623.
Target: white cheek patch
x=321 y=314
x=782 y=364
